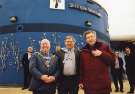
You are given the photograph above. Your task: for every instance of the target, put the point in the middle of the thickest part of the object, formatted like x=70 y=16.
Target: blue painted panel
x=39 y=12
x=35 y=20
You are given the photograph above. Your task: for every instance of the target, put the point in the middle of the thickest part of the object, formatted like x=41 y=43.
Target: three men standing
x=90 y=67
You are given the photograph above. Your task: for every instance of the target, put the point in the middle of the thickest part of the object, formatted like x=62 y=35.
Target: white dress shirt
x=69 y=63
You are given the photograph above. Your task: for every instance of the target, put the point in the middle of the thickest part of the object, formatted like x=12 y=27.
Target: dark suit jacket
x=120 y=64
x=61 y=65
x=25 y=62
x=38 y=68
x=130 y=65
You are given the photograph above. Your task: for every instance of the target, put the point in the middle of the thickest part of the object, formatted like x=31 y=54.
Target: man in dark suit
x=69 y=68
x=130 y=68
x=44 y=70
x=117 y=71
x=25 y=63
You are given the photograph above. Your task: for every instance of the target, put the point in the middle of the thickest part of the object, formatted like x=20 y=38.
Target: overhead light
x=13 y=19
x=87 y=23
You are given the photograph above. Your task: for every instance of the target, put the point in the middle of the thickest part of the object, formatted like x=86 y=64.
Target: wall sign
x=57 y=4
x=84 y=9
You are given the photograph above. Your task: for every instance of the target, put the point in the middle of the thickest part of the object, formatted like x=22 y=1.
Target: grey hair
x=70 y=37
x=45 y=41
x=89 y=31
x=30 y=48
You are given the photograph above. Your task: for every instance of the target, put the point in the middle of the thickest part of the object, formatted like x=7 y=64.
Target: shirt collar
x=45 y=54
x=67 y=50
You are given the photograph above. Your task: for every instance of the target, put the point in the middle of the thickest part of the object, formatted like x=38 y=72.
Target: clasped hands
x=47 y=78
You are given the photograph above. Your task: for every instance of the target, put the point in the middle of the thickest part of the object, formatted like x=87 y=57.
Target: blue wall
x=35 y=20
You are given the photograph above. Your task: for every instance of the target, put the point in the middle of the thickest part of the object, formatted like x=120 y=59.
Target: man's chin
x=91 y=44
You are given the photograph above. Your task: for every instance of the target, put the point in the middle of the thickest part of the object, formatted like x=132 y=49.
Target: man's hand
x=45 y=78
x=96 y=52
x=52 y=78
x=81 y=86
